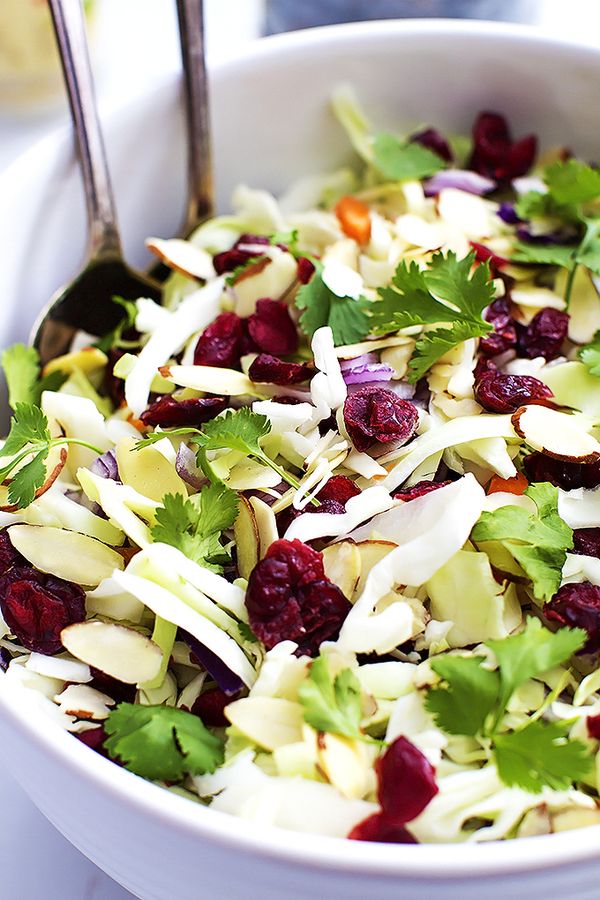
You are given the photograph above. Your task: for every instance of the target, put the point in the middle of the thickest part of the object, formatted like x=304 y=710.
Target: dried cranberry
x=379 y=828
x=484 y=254
x=272 y=329
x=406 y=781
x=306 y=270
x=586 y=541
x=376 y=414
x=504 y=336
x=499 y=392
x=339 y=488
x=434 y=141
x=93 y=738
x=593 y=727
x=268 y=369
x=406 y=784
x=290 y=598
x=168 y=412
x=333 y=498
x=106 y=684
x=419 y=490
x=237 y=256
x=221 y=343
x=494 y=154
x=36 y=607
x=578 y=606
x=9 y=556
x=209 y=707
x=565 y=475
x=545 y=334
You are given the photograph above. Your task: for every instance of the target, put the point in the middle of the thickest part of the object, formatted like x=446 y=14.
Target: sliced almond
x=212 y=380
x=343 y=564
x=55 y=463
x=66 y=554
x=345 y=764
x=148 y=471
x=266 y=524
x=247 y=538
x=118 y=651
x=557 y=434
x=90 y=359
x=84 y=702
x=183 y=257
x=371 y=552
x=270 y=722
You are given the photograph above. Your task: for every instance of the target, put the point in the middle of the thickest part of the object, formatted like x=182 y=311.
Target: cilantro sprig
x=161 y=743
x=472 y=700
x=28 y=444
x=195 y=525
x=590 y=355
x=404 y=160
x=347 y=317
x=240 y=429
x=22 y=368
x=571 y=187
x=448 y=294
x=332 y=704
x=537 y=542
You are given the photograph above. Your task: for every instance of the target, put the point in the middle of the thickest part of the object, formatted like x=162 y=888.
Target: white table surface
x=141 y=36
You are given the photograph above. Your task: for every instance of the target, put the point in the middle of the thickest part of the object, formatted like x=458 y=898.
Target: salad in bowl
x=316 y=540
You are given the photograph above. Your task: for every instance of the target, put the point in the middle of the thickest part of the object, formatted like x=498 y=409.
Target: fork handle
x=200 y=197
x=69 y=27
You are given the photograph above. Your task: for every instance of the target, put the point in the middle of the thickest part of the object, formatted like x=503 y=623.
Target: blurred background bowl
x=272 y=124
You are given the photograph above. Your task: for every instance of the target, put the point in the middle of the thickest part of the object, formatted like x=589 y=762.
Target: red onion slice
x=461 y=179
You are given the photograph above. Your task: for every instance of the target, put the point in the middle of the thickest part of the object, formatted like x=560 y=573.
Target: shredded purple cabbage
x=508 y=213
x=106 y=466
x=461 y=179
x=365 y=368
x=228 y=681
x=187 y=469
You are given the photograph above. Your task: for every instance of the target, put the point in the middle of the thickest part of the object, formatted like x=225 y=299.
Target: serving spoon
x=86 y=302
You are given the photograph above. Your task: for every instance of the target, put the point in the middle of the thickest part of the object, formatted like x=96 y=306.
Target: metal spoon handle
x=69 y=27
x=200 y=201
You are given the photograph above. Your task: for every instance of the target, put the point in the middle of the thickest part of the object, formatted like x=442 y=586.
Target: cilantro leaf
x=590 y=355
x=540 y=755
x=331 y=704
x=28 y=443
x=531 y=653
x=28 y=425
x=588 y=254
x=403 y=160
x=435 y=344
x=241 y=429
x=24 y=485
x=545 y=254
x=161 y=743
x=445 y=293
x=572 y=181
x=538 y=543
x=21 y=366
x=348 y=318
x=470 y=694
x=538 y=205
x=195 y=525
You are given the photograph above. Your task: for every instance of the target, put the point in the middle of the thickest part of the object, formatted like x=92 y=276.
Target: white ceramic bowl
x=271 y=125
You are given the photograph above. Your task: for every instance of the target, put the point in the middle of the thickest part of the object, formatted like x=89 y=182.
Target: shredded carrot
x=137 y=423
x=516 y=485
x=354 y=218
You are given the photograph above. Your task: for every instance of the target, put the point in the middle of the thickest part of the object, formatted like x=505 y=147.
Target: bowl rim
x=447 y=861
